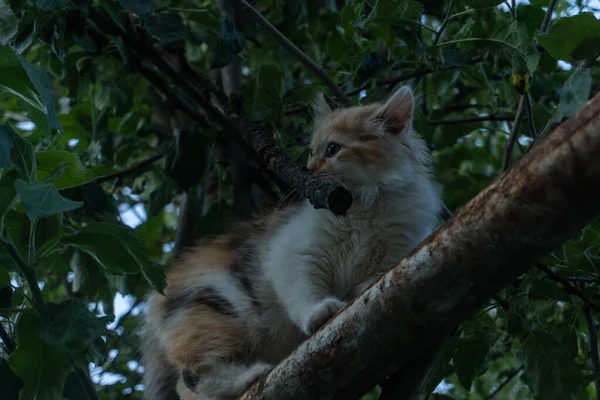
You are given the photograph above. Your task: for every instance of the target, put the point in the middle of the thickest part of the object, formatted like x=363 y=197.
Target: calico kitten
x=238 y=305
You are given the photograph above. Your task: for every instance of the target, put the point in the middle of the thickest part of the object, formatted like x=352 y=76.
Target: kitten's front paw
x=321 y=314
x=247 y=379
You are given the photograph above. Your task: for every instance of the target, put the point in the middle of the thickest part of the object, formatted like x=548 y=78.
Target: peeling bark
x=549 y=195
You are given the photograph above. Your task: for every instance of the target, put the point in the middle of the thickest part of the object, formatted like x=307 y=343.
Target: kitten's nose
x=313 y=165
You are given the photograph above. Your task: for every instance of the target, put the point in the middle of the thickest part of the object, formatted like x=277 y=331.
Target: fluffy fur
x=238 y=305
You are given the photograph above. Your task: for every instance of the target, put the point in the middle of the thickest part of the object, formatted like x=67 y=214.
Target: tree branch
x=458 y=121
x=524 y=101
x=389 y=81
x=504 y=383
x=135 y=168
x=514 y=132
x=9 y=344
x=291 y=47
x=439 y=33
x=506 y=230
x=320 y=192
x=568 y=287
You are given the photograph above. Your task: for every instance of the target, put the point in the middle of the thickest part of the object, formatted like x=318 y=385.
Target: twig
x=304 y=59
x=548 y=16
x=567 y=285
x=514 y=132
x=9 y=344
x=530 y=114
x=387 y=81
x=524 y=97
x=28 y=273
x=439 y=33
x=458 y=121
x=127 y=314
x=404 y=77
x=582 y=279
x=134 y=168
x=593 y=330
x=504 y=383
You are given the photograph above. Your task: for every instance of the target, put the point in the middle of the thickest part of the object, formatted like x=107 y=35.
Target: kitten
x=238 y=305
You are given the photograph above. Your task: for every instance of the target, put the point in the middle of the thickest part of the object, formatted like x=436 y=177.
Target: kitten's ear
x=397 y=113
x=324 y=105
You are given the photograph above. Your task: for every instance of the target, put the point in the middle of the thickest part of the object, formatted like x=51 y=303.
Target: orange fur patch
x=200 y=336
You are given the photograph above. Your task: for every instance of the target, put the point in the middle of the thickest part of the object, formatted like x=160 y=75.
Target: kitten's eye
x=332 y=149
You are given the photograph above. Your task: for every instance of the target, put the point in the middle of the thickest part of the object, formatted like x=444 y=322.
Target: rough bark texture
x=549 y=195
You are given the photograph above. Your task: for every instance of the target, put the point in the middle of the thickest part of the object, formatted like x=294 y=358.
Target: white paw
x=251 y=375
x=321 y=314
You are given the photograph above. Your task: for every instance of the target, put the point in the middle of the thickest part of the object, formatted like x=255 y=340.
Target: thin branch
x=567 y=285
x=514 y=132
x=593 y=331
x=9 y=344
x=388 y=82
x=548 y=17
x=458 y=121
x=26 y=272
x=127 y=314
x=439 y=33
x=135 y=168
x=525 y=101
x=504 y=383
x=291 y=47
x=404 y=77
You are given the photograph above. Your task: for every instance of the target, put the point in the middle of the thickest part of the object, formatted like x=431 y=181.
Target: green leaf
x=71 y=326
x=19 y=78
x=480 y=3
x=140 y=7
x=155 y=275
x=43 y=200
x=9 y=24
x=471 y=356
x=73 y=172
x=162 y=196
x=22 y=156
x=166 y=27
x=52 y=5
x=228 y=45
x=118 y=249
x=576 y=37
x=43 y=368
x=575 y=93
x=6 y=145
x=10 y=384
x=550 y=372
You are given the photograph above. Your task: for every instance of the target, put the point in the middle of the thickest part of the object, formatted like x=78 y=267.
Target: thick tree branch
x=530 y=210
x=320 y=192
x=299 y=54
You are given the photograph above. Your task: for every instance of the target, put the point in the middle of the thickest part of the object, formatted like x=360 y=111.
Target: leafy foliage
x=101 y=149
